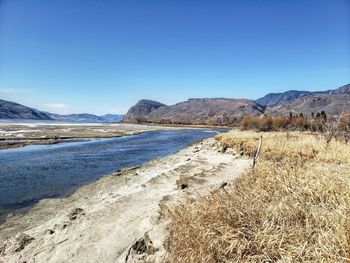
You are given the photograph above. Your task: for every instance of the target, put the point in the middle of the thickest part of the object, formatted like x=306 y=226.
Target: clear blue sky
x=102 y=56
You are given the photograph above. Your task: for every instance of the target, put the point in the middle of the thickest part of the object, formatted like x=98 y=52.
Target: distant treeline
x=301 y=122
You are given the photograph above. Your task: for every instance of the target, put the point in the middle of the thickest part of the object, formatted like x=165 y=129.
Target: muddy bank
x=119 y=218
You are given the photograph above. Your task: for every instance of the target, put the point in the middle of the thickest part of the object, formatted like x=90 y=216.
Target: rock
x=223 y=184
x=141 y=251
x=49 y=231
x=15 y=244
x=139 y=247
x=136 y=251
x=22 y=240
x=223 y=149
x=75 y=213
x=183 y=186
x=189 y=181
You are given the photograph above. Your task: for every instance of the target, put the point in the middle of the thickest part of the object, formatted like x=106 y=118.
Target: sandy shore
x=25 y=133
x=118 y=218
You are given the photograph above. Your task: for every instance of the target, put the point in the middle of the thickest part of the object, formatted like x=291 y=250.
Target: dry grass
x=292 y=208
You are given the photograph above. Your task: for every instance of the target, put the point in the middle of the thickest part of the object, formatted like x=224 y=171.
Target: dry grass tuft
x=292 y=208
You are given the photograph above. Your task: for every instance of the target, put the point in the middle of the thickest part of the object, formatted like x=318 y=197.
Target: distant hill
x=112 y=117
x=332 y=104
x=12 y=110
x=85 y=117
x=342 y=90
x=141 y=109
x=199 y=111
x=203 y=111
x=273 y=99
x=223 y=110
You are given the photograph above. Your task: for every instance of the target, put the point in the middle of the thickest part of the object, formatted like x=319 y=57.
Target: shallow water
x=34 y=172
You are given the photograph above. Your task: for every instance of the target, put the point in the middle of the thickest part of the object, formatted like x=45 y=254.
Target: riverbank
x=293 y=207
x=119 y=216
x=19 y=134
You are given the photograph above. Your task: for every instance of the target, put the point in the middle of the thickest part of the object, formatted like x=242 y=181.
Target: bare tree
x=331 y=129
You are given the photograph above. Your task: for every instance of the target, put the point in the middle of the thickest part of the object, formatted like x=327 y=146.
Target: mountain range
x=86 y=117
x=204 y=110
x=333 y=102
x=12 y=110
x=223 y=110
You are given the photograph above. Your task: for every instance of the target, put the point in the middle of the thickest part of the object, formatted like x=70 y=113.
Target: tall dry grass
x=294 y=206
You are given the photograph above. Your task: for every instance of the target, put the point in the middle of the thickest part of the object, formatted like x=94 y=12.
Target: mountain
x=342 y=90
x=331 y=103
x=273 y=99
x=222 y=110
x=142 y=108
x=203 y=111
x=12 y=110
x=198 y=111
x=85 y=117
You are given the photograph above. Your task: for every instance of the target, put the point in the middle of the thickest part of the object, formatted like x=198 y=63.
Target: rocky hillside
x=12 y=110
x=200 y=111
x=342 y=90
x=332 y=104
x=224 y=111
x=273 y=99
x=141 y=109
x=212 y=111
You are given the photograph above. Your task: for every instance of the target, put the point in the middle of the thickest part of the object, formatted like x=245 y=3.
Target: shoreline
x=101 y=163
x=102 y=220
x=15 y=135
x=38 y=141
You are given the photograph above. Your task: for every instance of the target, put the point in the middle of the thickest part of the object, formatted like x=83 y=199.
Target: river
x=35 y=172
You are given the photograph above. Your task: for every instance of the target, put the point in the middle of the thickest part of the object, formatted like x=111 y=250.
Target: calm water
x=35 y=172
